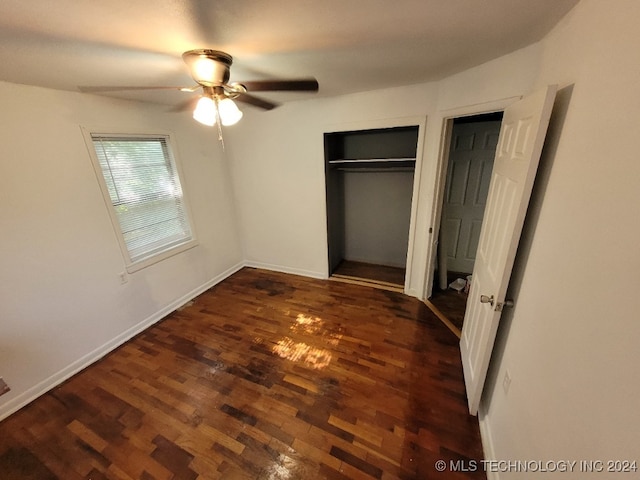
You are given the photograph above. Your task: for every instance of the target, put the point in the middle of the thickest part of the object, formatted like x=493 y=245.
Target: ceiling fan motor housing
x=208 y=67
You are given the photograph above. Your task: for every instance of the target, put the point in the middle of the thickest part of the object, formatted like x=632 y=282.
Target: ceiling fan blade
x=106 y=89
x=255 y=101
x=299 y=85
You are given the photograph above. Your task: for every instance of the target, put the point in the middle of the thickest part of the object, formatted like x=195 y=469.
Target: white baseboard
x=487 y=441
x=57 y=378
x=284 y=269
x=309 y=273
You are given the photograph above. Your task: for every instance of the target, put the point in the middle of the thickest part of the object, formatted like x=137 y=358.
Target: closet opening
x=369 y=188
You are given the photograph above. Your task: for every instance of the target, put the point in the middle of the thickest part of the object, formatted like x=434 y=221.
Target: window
x=141 y=182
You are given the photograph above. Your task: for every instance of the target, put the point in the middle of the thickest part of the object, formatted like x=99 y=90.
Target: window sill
x=160 y=256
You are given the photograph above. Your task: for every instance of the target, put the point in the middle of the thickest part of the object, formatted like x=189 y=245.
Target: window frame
x=130 y=265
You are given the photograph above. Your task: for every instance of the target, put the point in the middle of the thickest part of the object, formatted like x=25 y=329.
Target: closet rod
x=372 y=169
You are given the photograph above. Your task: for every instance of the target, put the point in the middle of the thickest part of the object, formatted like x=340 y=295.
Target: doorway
x=471 y=151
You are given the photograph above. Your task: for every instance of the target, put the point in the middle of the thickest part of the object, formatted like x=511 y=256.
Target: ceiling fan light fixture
x=203 y=69
x=205 y=111
x=208 y=67
x=230 y=114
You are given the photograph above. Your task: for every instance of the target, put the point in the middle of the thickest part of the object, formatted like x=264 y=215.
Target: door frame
x=391 y=122
x=445 y=119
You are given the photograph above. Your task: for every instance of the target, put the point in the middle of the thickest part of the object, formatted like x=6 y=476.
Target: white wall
x=571 y=343
x=278 y=171
x=61 y=301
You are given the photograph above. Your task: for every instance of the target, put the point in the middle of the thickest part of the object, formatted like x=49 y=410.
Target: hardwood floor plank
x=265 y=376
x=20 y=462
x=173 y=458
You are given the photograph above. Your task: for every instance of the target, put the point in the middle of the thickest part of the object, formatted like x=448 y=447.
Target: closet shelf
x=342 y=161
x=371 y=164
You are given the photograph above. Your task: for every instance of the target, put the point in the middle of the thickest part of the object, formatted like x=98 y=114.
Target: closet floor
x=450 y=303
x=371 y=272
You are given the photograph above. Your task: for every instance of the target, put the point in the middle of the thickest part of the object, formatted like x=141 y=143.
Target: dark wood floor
x=265 y=376
x=451 y=303
x=368 y=271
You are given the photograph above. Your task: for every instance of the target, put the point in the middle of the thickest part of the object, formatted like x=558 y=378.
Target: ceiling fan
x=211 y=69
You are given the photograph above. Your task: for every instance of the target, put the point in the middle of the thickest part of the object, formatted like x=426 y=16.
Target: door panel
x=469 y=173
x=474 y=238
x=452 y=231
x=524 y=127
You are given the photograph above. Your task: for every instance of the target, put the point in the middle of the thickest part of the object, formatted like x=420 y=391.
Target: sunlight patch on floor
x=301 y=351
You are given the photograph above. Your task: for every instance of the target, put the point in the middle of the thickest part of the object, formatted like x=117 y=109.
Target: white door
x=473 y=148
x=524 y=127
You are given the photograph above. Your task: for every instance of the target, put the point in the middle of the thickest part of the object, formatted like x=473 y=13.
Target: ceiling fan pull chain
x=219 y=123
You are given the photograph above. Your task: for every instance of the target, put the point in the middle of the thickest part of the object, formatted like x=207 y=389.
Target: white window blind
x=145 y=191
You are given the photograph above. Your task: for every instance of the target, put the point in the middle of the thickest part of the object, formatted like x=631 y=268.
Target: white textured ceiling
x=348 y=45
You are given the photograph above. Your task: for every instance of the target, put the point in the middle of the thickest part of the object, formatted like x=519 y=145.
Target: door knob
x=485 y=299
